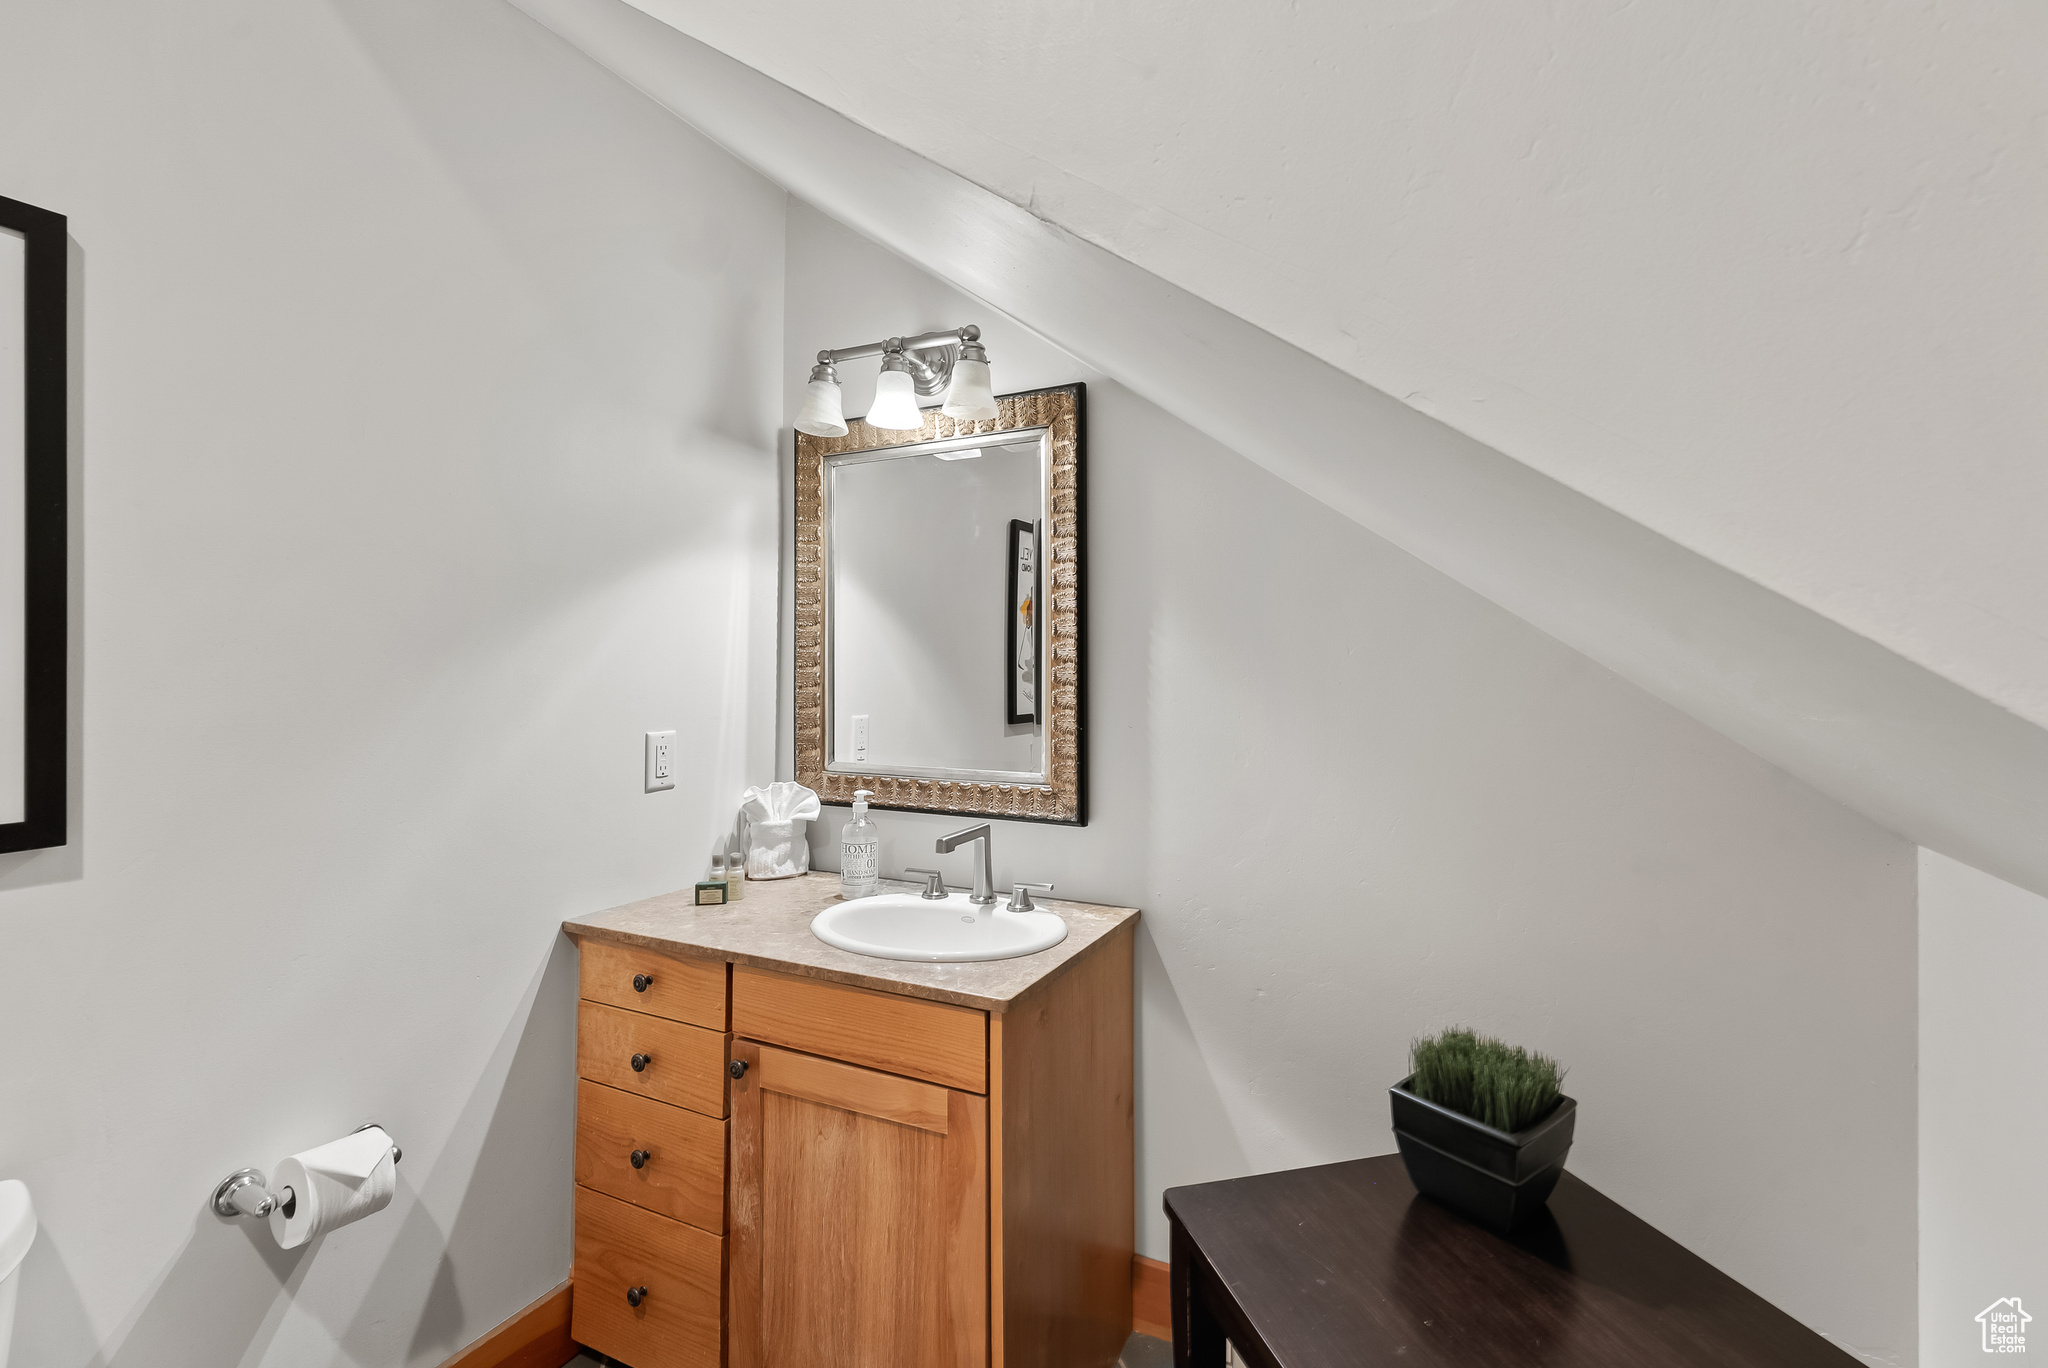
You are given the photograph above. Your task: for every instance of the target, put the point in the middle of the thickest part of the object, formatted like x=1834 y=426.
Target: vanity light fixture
x=952 y=361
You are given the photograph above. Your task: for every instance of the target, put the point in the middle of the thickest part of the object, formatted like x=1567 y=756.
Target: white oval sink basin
x=905 y=926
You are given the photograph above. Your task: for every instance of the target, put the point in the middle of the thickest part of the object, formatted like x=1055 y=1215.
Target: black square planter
x=1497 y=1179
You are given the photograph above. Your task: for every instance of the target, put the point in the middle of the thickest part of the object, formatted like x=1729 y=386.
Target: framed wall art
x=32 y=555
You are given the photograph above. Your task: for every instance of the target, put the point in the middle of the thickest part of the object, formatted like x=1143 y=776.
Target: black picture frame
x=45 y=277
x=1024 y=579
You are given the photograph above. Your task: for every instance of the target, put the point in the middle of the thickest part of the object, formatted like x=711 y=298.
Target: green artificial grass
x=1494 y=1083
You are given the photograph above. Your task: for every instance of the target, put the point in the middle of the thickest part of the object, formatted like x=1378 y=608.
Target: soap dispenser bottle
x=860 y=851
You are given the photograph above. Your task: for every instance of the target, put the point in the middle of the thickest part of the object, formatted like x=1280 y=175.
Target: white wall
x=428 y=383
x=1763 y=277
x=1357 y=802
x=1983 y=1037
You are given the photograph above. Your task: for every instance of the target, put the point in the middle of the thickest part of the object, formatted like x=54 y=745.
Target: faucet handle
x=934 y=883
x=1020 y=896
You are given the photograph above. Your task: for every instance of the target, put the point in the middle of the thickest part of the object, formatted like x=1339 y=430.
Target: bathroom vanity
x=788 y=1154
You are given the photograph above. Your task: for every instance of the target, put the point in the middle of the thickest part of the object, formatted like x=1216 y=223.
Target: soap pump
x=860 y=850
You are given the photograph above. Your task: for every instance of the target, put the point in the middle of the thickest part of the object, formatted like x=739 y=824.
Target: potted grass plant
x=1482 y=1126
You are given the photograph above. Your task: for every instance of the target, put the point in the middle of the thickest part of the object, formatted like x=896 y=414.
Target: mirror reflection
x=935 y=629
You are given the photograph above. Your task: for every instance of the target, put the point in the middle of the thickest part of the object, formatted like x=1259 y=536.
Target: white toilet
x=17 y=1233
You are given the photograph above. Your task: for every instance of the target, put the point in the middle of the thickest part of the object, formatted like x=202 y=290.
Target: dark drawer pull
x=641 y=982
x=738 y=1068
x=635 y=1295
x=640 y=1158
x=641 y=1061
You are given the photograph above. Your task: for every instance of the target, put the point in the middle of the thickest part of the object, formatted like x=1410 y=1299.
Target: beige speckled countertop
x=771 y=928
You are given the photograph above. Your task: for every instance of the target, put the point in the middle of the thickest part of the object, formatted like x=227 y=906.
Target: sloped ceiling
x=1888 y=737
x=1763 y=276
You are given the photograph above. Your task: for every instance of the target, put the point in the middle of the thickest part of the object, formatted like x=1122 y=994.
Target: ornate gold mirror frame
x=1064 y=797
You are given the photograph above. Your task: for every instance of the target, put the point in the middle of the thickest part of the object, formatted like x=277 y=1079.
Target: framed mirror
x=33 y=248
x=939 y=613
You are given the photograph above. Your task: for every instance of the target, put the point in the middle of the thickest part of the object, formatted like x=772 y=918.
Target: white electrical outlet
x=661 y=761
x=860 y=736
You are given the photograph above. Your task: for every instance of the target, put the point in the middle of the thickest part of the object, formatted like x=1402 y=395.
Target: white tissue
x=333 y=1185
x=776 y=848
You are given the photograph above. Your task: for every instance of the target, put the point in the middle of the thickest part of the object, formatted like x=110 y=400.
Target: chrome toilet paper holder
x=246 y=1192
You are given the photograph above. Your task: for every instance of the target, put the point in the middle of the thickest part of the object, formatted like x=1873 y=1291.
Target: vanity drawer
x=680 y=1321
x=935 y=1041
x=683 y=1175
x=685 y=1065
x=679 y=989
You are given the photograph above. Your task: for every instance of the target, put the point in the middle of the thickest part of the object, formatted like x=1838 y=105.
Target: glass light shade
x=820 y=416
x=969 y=397
x=895 y=406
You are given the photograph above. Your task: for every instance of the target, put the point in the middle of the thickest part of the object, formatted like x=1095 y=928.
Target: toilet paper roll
x=334 y=1185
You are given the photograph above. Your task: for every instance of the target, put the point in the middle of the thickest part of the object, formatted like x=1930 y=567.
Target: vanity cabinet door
x=859 y=1220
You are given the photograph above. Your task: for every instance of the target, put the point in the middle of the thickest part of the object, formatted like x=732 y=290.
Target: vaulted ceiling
x=1739 y=543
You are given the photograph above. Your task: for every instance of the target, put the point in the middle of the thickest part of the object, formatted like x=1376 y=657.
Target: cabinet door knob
x=639 y=1158
x=635 y=1295
x=641 y=981
x=640 y=1062
x=737 y=1068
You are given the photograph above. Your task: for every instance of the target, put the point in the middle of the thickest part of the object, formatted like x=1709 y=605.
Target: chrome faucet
x=984 y=877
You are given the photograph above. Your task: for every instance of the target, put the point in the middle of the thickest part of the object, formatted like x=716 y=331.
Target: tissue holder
x=776 y=848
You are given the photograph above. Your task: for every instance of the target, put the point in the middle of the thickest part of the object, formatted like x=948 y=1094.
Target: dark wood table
x=1345 y=1265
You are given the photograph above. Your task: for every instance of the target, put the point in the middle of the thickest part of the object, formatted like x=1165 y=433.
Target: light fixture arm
x=923 y=341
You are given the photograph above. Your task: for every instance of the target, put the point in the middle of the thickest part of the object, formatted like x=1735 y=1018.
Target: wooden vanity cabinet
x=902 y=1182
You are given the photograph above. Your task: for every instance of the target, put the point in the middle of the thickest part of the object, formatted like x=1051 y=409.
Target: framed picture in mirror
x=1021 y=706
x=33 y=399
x=939 y=612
